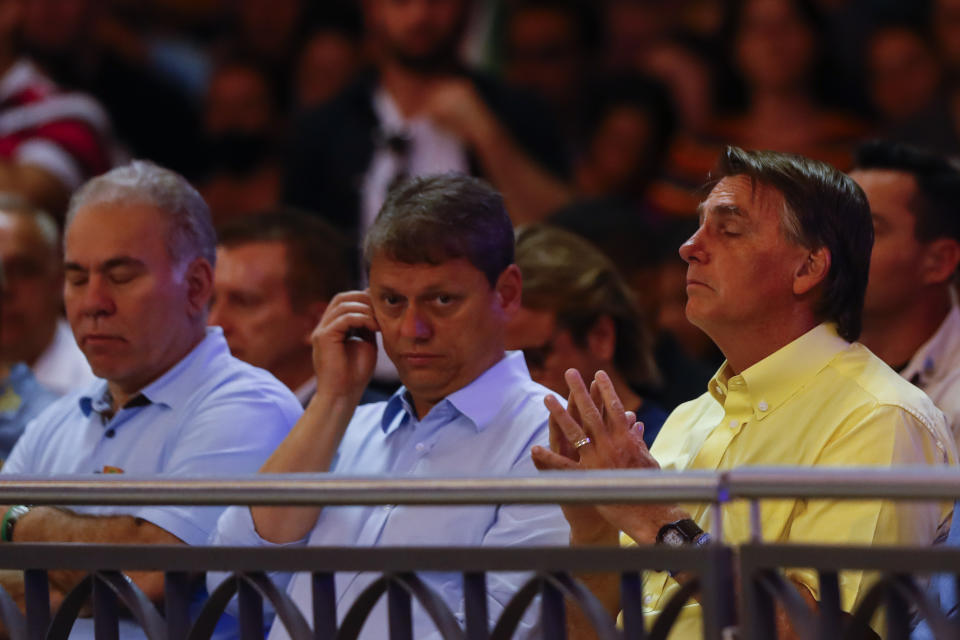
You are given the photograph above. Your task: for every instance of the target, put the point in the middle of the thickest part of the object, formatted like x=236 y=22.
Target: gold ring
x=582 y=442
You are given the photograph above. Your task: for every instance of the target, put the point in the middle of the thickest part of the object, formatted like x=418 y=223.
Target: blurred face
x=442 y=325
x=544 y=53
x=774 y=48
x=619 y=149
x=251 y=302
x=548 y=349
x=946 y=25
x=326 y=65
x=740 y=266
x=31 y=296
x=133 y=312
x=904 y=74
x=269 y=25
x=897 y=255
x=421 y=34
x=238 y=101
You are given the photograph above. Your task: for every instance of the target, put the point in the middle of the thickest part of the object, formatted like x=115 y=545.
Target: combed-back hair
x=318 y=263
x=823 y=207
x=190 y=233
x=567 y=275
x=934 y=205
x=433 y=219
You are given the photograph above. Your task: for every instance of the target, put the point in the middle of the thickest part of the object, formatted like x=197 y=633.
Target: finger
x=590 y=421
x=558 y=441
x=565 y=423
x=613 y=408
x=631 y=418
x=546 y=460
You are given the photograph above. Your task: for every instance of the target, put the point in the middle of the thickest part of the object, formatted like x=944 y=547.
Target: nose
x=414 y=324
x=693 y=250
x=96 y=299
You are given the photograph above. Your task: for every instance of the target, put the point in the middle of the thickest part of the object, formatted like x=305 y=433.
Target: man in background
x=910 y=315
x=276 y=273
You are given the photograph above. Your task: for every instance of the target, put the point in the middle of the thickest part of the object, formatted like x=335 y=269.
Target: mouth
x=695 y=283
x=99 y=339
x=419 y=359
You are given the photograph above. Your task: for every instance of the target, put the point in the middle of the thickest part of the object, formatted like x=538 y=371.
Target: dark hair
x=318 y=263
x=934 y=205
x=823 y=208
x=433 y=219
x=569 y=276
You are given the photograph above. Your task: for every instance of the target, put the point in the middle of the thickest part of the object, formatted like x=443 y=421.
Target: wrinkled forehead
x=743 y=194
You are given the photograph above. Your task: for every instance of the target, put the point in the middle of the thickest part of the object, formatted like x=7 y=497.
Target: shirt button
x=387 y=507
x=763 y=406
x=734 y=424
x=647 y=599
x=110 y=433
x=420 y=446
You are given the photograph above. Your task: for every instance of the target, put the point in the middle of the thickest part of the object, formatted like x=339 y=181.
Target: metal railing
x=755 y=565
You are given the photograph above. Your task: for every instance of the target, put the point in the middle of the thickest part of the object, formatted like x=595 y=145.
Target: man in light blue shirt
x=21 y=399
x=442 y=285
x=139 y=254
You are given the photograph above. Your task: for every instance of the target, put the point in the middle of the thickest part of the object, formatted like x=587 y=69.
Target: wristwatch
x=682 y=532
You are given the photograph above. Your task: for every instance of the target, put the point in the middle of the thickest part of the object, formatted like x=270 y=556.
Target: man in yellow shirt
x=776 y=277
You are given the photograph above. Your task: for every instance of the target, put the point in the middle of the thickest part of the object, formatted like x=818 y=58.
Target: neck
x=294 y=371
x=895 y=337
x=408 y=89
x=123 y=390
x=743 y=346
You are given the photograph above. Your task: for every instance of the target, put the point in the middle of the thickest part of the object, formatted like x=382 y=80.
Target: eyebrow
x=723 y=210
x=112 y=263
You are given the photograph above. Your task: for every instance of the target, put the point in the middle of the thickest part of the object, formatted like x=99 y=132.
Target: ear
x=812 y=271
x=199 y=280
x=311 y=318
x=509 y=290
x=940 y=260
x=602 y=339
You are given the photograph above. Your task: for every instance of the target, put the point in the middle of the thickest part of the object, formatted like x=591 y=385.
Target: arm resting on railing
x=54 y=524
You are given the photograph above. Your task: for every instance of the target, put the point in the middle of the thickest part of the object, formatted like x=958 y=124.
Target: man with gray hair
x=171 y=400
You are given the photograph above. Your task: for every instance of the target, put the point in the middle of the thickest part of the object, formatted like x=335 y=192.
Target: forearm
x=530 y=192
x=51 y=524
x=309 y=448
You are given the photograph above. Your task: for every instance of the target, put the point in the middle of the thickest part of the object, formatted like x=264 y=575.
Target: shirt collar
x=772 y=381
x=923 y=365
x=174 y=386
x=478 y=401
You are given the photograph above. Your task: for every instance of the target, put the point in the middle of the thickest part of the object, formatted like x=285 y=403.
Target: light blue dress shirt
x=209 y=415
x=943 y=587
x=486 y=428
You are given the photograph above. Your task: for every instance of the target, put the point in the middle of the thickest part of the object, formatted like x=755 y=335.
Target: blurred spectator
x=32 y=329
x=904 y=73
x=241 y=172
x=22 y=398
x=84 y=46
x=630 y=126
x=579 y=312
x=551 y=48
x=910 y=316
x=276 y=272
x=630 y=27
x=330 y=57
x=683 y=66
x=421 y=112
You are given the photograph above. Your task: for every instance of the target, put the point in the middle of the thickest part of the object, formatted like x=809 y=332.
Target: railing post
x=37 y=595
x=105 y=623
x=830 y=626
x=176 y=604
x=251 y=611
x=324 y=606
x=898 y=612
x=553 y=619
x=631 y=603
x=717 y=589
x=398 y=612
x=475 y=606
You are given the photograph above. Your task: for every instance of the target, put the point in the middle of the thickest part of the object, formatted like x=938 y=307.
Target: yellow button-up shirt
x=818 y=401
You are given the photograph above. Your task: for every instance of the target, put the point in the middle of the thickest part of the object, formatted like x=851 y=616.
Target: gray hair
x=191 y=232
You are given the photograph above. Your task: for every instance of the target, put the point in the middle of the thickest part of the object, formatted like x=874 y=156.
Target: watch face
x=673 y=537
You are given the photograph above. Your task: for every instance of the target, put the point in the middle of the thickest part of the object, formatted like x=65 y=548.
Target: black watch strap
x=681 y=532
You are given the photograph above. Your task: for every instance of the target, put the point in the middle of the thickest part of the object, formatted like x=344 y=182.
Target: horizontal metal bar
x=908 y=483
x=88 y=557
